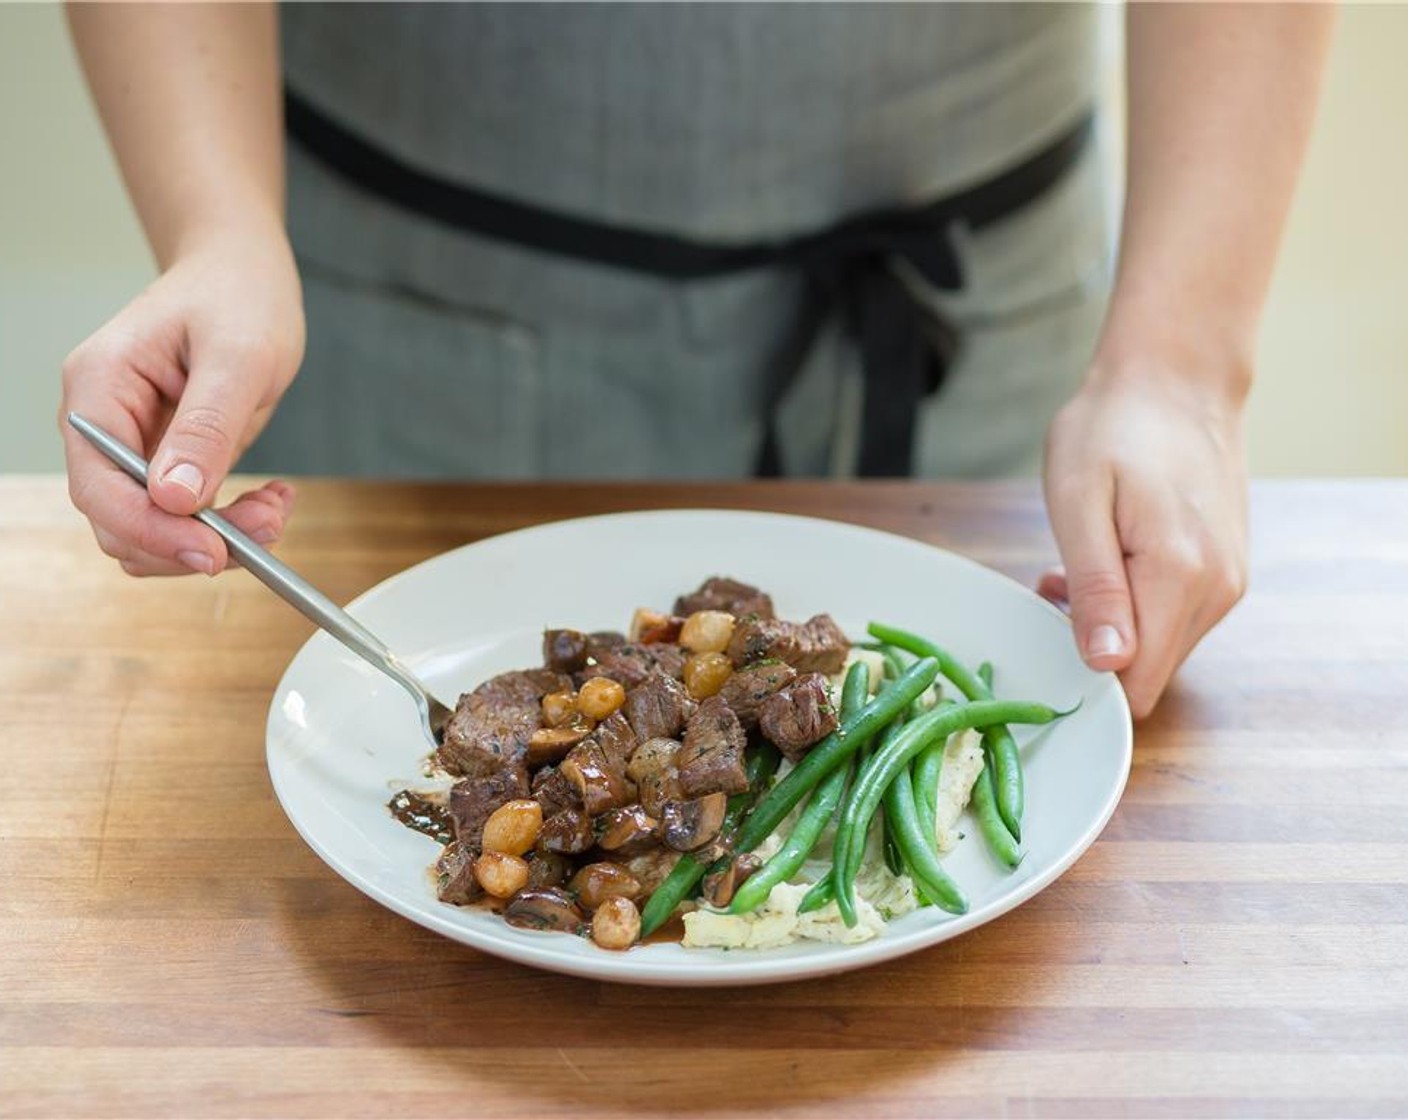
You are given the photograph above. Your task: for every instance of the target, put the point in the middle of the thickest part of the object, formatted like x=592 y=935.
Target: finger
x=1052 y=587
x=216 y=408
x=1102 y=614
x=260 y=514
x=1167 y=597
x=122 y=515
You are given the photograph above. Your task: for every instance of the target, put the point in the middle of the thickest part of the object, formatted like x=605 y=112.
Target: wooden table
x=1235 y=944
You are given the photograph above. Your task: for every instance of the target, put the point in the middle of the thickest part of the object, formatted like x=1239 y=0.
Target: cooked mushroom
x=600 y=785
x=660 y=788
x=650 y=757
x=551 y=744
x=627 y=830
x=687 y=825
x=652 y=868
x=567 y=832
x=546 y=908
x=719 y=886
x=596 y=882
x=565 y=650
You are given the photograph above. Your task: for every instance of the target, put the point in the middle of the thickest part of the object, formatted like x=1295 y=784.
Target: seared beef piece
x=815 y=646
x=799 y=716
x=600 y=782
x=719 y=594
x=492 y=725
x=711 y=758
x=746 y=689
x=454 y=876
x=567 y=833
x=554 y=792
x=473 y=799
x=600 y=641
x=564 y=651
x=616 y=738
x=632 y=663
x=657 y=707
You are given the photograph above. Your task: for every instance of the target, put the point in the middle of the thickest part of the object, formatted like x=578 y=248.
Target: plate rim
x=745 y=967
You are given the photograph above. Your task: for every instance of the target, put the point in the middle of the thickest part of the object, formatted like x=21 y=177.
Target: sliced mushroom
x=720 y=886
x=567 y=832
x=600 y=785
x=546 y=908
x=659 y=789
x=565 y=650
x=627 y=830
x=548 y=869
x=651 y=757
x=596 y=882
x=551 y=744
x=687 y=825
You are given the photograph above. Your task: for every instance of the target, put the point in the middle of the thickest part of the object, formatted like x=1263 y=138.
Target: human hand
x=187 y=374
x=1146 y=490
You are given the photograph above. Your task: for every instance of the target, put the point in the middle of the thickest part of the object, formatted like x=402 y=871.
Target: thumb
x=205 y=434
x=1097 y=586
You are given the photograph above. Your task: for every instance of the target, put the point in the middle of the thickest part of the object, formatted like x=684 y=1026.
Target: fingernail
x=266 y=535
x=1104 y=641
x=186 y=475
x=197 y=562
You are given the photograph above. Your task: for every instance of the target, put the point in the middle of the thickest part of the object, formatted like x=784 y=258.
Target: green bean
x=834 y=750
x=990 y=821
x=685 y=875
x=815 y=817
x=889 y=847
x=998 y=744
x=931 y=882
x=985 y=674
x=822 y=892
x=880 y=771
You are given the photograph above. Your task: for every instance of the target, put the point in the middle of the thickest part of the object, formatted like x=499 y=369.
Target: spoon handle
x=273 y=573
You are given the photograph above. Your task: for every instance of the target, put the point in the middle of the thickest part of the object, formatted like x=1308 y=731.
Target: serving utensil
x=279 y=578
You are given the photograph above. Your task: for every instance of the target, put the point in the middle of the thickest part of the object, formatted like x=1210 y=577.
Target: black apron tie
x=849 y=269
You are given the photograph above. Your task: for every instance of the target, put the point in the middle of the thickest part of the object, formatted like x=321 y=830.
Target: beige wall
x=1333 y=391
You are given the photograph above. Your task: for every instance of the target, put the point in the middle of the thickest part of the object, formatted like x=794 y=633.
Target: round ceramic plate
x=342 y=738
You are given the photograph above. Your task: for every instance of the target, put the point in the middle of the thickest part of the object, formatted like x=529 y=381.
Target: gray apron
x=435 y=353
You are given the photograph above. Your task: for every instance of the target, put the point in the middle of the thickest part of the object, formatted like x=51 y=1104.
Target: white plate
x=342 y=738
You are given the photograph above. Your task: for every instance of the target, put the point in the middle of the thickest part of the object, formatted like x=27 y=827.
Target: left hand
x=1146 y=490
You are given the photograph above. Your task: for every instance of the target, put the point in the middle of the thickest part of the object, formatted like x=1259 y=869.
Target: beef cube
x=565 y=651
x=815 y=646
x=554 y=792
x=454 y=876
x=632 y=663
x=746 y=689
x=569 y=832
x=492 y=725
x=472 y=800
x=711 y=756
x=719 y=594
x=616 y=738
x=657 y=707
x=799 y=716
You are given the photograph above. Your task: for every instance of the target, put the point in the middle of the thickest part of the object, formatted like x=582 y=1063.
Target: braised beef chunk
x=554 y=792
x=798 y=716
x=600 y=641
x=567 y=833
x=632 y=663
x=454 y=876
x=616 y=738
x=746 y=689
x=719 y=594
x=473 y=799
x=711 y=756
x=492 y=725
x=565 y=651
x=815 y=646
x=657 y=707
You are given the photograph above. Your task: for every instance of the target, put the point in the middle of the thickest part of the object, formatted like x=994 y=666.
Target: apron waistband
x=905 y=349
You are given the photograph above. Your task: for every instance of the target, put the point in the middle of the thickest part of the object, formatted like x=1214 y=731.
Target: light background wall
x=1332 y=396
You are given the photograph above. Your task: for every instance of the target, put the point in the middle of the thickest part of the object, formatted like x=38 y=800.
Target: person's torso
x=722 y=121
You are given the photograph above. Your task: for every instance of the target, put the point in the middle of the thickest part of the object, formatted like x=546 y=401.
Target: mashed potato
x=880 y=895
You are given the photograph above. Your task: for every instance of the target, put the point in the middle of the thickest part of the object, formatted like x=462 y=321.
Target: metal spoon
x=279 y=578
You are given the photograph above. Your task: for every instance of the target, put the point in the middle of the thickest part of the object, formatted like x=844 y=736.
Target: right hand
x=187 y=374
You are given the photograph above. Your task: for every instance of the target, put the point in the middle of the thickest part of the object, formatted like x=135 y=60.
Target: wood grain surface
x=1235 y=945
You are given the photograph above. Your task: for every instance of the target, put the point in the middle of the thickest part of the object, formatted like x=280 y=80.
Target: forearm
x=1221 y=101
x=189 y=95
